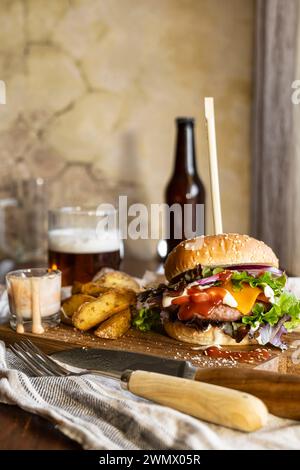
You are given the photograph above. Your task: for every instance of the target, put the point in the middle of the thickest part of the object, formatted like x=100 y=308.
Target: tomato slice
x=186 y=312
x=199 y=297
x=263 y=298
x=216 y=294
x=225 y=276
x=199 y=302
x=180 y=300
x=194 y=290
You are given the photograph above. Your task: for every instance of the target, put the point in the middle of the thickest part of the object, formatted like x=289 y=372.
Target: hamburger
x=224 y=289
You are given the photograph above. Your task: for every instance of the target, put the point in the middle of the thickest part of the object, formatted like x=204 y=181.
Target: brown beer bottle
x=185 y=188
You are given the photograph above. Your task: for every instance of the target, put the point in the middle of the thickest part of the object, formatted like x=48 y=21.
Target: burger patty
x=222 y=313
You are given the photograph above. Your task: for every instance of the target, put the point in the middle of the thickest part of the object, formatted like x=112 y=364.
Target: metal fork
x=39 y=363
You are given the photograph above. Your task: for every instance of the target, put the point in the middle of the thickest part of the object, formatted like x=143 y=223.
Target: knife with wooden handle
x=218 y=405
x=279 y=392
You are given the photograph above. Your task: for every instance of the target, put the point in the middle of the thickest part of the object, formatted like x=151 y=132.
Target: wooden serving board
x=65 y=337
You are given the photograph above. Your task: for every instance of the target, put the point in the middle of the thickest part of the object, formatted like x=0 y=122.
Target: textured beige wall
x=101 y=81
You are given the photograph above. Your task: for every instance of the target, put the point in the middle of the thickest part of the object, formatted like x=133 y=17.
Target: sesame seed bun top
x=218 y=250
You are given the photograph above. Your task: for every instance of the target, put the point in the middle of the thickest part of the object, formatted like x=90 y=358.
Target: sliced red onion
x=253 y=269
x=208 y=280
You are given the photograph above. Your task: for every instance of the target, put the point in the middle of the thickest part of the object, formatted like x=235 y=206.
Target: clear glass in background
x=31 y=195
x=23 y=225
x=78 y=247
x=9 y=233
x=34 y=299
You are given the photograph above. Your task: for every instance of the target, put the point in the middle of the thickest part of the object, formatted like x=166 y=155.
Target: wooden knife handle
x=280 y=392
x=212 y=403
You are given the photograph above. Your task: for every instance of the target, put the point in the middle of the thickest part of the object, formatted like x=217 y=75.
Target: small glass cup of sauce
x=34 y=299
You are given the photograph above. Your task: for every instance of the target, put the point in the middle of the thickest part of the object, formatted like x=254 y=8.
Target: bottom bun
x=213 y=335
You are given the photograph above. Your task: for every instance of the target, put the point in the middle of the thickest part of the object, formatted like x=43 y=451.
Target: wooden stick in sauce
x=37 y=327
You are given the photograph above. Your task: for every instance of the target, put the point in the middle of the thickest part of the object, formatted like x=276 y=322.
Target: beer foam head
x=81 y=240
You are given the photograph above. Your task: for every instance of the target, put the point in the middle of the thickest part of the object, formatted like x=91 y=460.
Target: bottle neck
x=185 y=155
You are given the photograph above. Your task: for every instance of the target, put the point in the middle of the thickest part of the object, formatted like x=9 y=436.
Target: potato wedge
x=117 y=279
x=92 y=313
x=64 y=319
x=71 y=304
x=115 y=326
x=93 y=288
x=76 y=288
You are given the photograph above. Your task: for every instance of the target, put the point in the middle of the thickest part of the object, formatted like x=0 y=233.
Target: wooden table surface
x=22 y=430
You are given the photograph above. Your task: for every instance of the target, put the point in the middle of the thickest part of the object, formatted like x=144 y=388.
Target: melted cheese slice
x=245 y=298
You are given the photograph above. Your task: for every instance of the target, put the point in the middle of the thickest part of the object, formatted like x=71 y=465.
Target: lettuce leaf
x=285 y=305
x=207 y=272
x=147 y=319
x=265 y=279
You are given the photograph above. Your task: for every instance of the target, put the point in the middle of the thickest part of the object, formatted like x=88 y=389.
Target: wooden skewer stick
x=213 y=164
x=2 y=92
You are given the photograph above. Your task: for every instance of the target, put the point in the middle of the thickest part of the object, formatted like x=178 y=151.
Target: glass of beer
x=80 y=242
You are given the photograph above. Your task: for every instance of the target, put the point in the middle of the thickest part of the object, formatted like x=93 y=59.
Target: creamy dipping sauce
x=33 y=299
